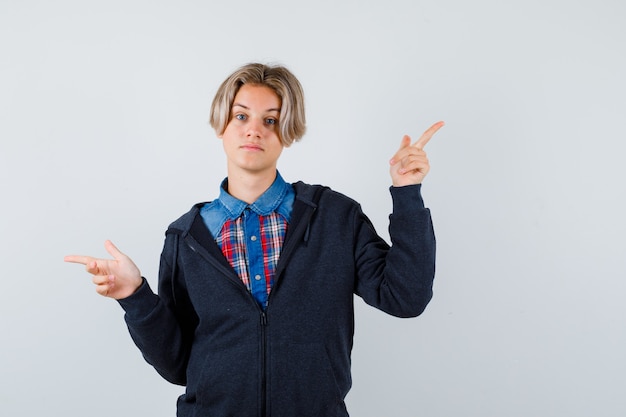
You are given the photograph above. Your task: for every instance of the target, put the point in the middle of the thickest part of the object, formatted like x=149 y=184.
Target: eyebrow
x=248 y=108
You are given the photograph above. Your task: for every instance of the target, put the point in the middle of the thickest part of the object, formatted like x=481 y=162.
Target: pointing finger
x=78 y=259
x=426 y=136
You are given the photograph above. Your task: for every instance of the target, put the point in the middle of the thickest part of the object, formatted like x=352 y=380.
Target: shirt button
x=253 y=238
x=257 y=277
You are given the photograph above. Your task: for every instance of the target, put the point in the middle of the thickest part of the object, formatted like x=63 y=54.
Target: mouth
x=251 y=147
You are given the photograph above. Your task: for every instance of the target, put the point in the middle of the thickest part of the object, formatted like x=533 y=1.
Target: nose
x=254 y=128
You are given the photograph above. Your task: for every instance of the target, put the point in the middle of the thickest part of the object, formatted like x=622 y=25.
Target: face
x=251 y=139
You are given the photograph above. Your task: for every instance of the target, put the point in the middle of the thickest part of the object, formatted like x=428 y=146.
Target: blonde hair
x=291 y=122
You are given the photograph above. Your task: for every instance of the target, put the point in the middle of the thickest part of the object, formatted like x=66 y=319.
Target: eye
x=240 y=116
x=271 y=121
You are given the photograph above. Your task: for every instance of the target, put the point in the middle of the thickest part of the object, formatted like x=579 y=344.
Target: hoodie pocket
x=228 y=383
x=303 y=383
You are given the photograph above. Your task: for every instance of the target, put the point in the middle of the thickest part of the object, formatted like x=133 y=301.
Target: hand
x=116 y=278
x=410 y=165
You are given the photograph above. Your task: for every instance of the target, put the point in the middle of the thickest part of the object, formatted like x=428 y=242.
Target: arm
x=152 y=322
x=398 y=279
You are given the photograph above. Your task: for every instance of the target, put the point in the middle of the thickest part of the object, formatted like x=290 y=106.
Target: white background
x=104 y=135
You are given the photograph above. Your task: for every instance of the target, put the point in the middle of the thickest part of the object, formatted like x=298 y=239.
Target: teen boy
x=254 y=313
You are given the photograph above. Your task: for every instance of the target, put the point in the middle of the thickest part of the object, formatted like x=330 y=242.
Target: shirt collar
x=267 y=203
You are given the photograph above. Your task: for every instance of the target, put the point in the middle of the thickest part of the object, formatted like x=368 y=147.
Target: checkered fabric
x=242 y=252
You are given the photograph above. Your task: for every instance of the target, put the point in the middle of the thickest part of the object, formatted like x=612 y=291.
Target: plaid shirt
x=251 y=236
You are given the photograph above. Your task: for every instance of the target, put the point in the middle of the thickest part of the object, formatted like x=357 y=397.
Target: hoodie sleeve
x=161 y=325
x=397 y=279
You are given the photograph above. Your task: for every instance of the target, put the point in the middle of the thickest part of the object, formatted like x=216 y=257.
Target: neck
x=249 y=187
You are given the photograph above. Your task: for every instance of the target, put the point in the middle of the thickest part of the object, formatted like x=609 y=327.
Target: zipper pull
x=263 y=319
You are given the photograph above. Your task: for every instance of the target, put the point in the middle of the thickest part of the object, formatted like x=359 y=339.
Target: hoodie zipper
x=263 y=322
x=263 y=412
x=285 y=252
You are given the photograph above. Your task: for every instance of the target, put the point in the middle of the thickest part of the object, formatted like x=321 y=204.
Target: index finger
x=423 y=140
x=78 y=259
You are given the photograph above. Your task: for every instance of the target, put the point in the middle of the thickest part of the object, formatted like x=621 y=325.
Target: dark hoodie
x=205 y=330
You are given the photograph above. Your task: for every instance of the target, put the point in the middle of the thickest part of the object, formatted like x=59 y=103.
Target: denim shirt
x=278 y=198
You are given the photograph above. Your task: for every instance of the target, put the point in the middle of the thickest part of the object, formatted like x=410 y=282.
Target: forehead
x=257 y=96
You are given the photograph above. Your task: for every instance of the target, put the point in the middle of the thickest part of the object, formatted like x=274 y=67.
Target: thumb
x=113 y=250
x=406 y=142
